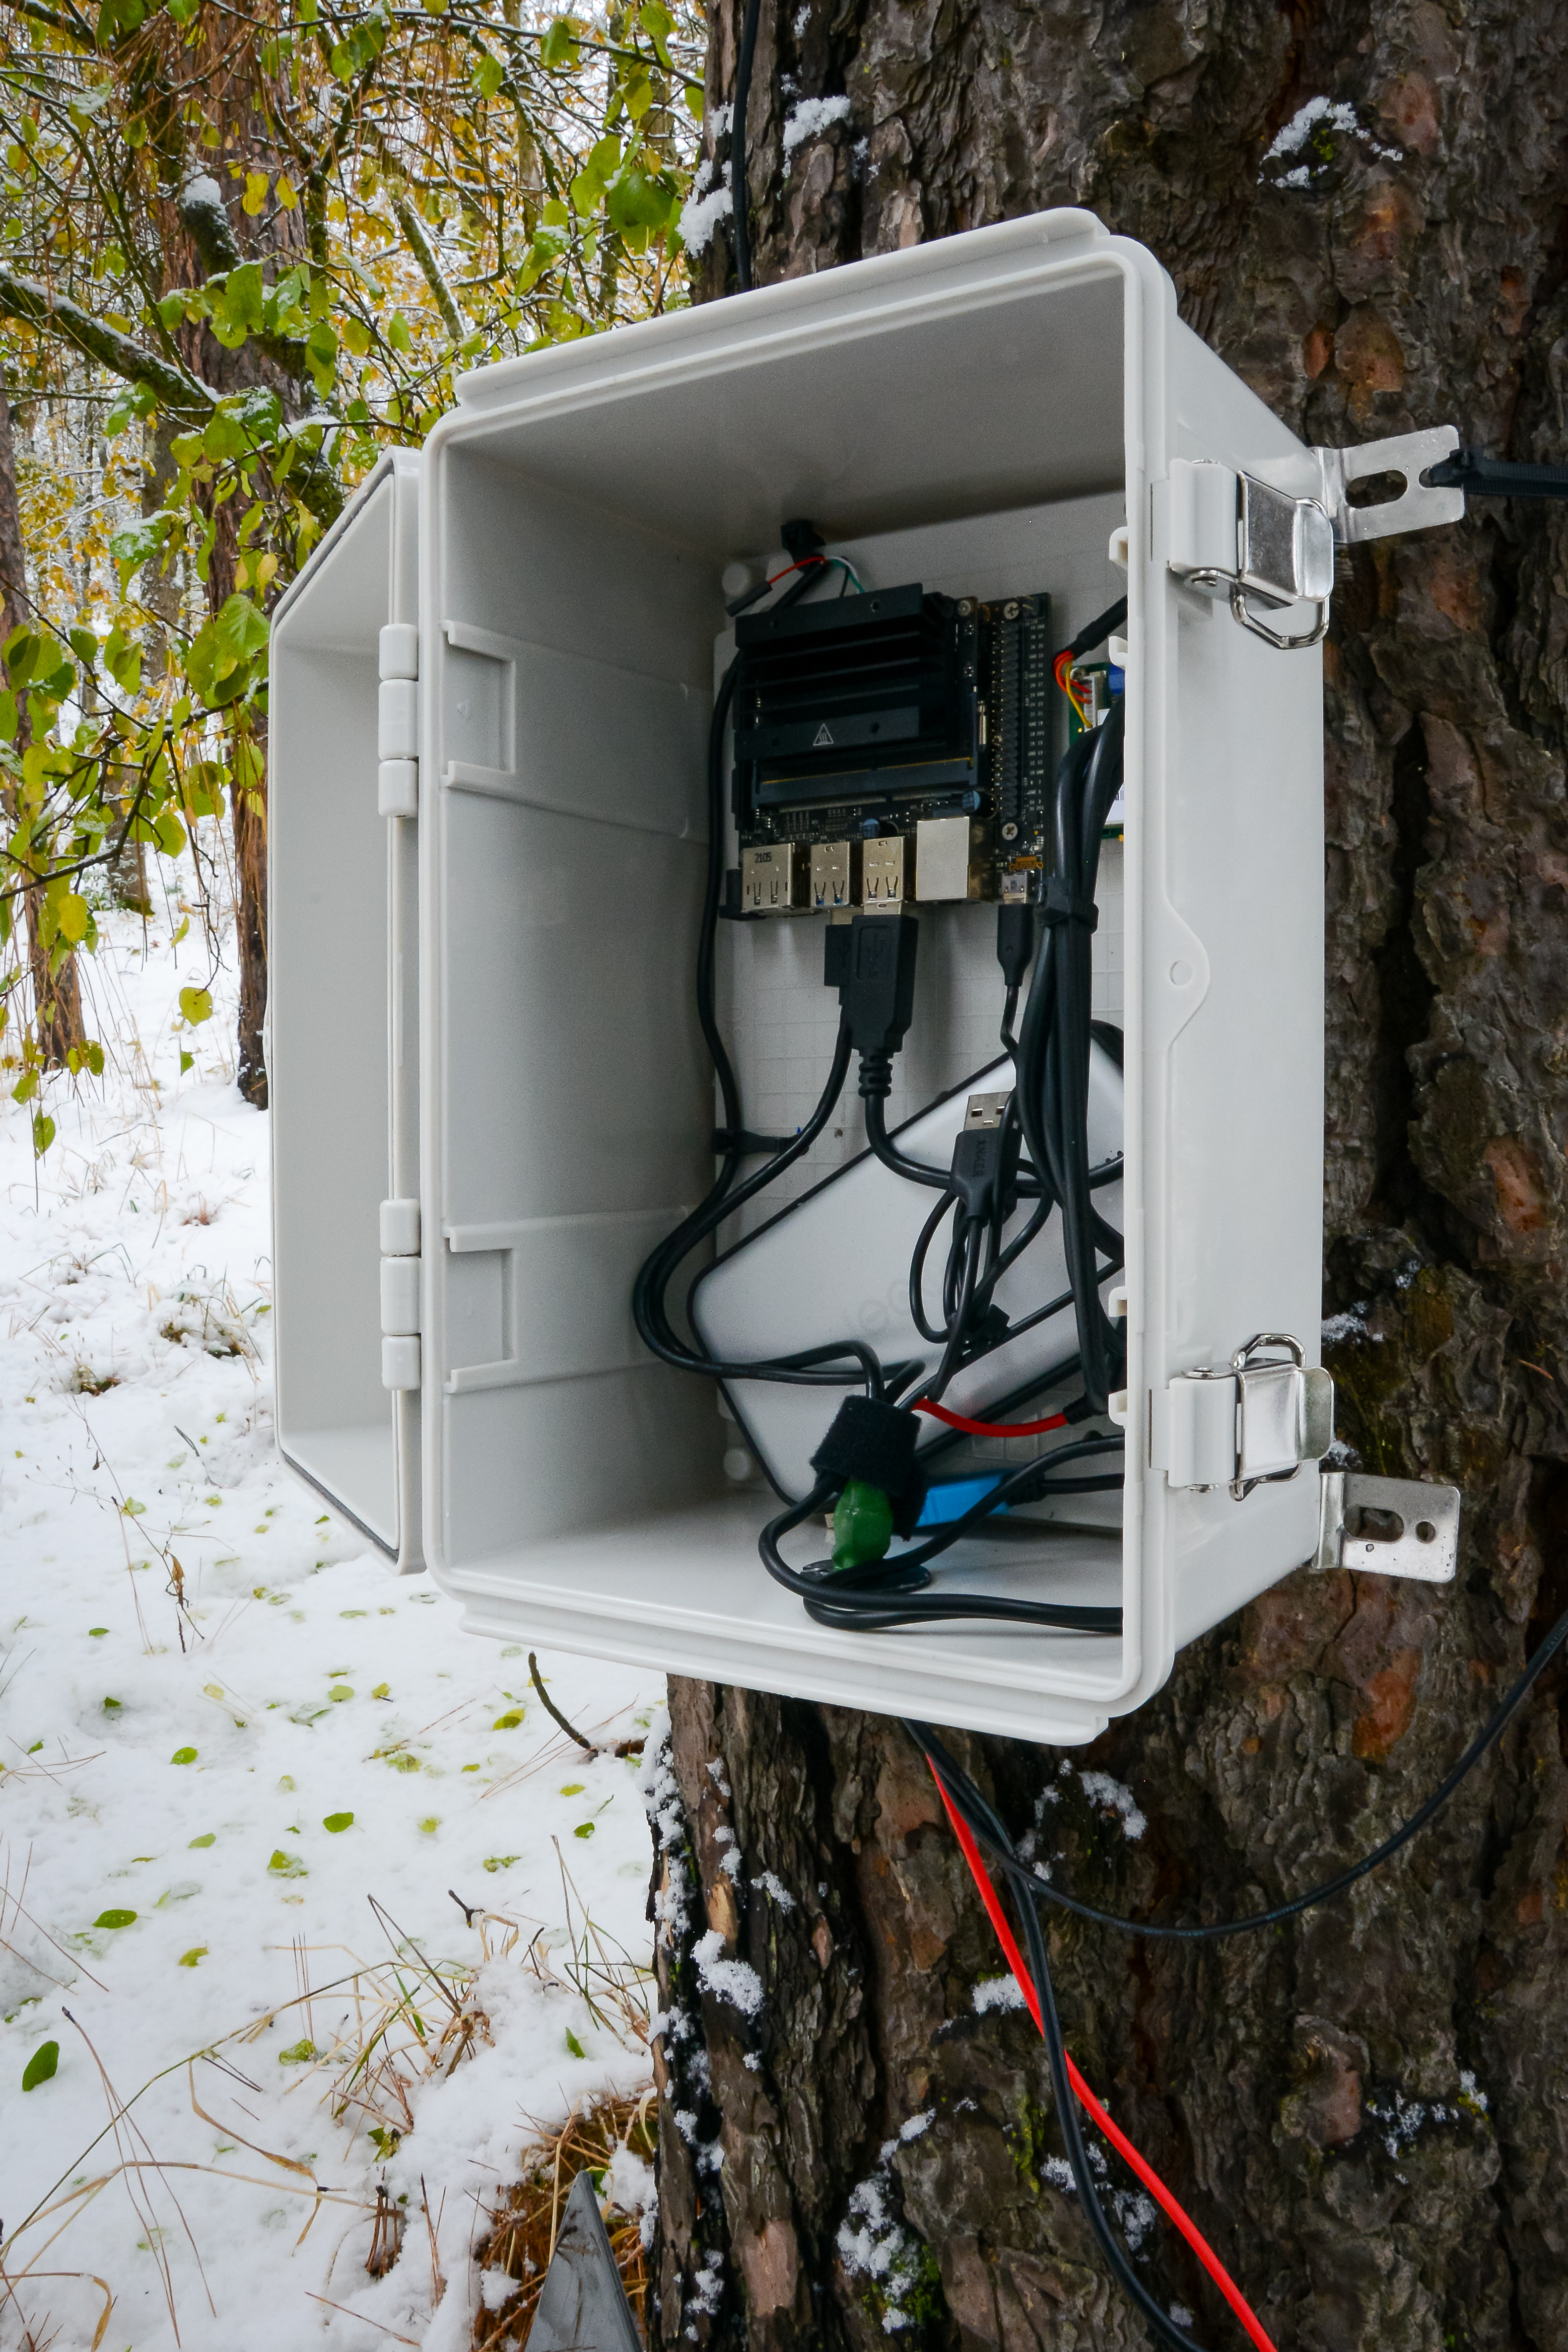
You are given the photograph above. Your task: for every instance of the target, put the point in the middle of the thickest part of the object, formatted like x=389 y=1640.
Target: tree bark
x=198 y=241
x=1363 y=2112
x=57 y=995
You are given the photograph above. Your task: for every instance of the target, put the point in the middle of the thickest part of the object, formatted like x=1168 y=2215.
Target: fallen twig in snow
x=620 y=1746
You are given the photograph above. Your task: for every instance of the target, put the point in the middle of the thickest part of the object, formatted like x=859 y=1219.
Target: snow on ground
x=200 y=1800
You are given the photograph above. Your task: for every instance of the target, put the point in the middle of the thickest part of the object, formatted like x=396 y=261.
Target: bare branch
x=423 y=252
x=57 y=314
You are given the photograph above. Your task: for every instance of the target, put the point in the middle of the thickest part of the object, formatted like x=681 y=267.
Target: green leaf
x=510 y=1722
x=208 y=1837
x=43 y=1133
x=287 y=1865
x=187 y=1061
x=196 y=1004
x=339 y=1692
x=40 y=2067
x=558 y=50
x=500 y=1861
x=337 y=1821
x=112 y=1705
x=639 y=203
x=135 y=400
x=74 y=915
x=398 y=335
x=489 y=75
x=583 y=1829
x=298 y=2054
x=189 y=1959
x=574 y=2045
x=123 y=659
x=183 y=1756
x=219 y=659
x=114 y=1919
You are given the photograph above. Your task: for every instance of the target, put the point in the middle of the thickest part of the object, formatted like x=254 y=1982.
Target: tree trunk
x=57 y=995
x=1364 y=2111
x=236 y=103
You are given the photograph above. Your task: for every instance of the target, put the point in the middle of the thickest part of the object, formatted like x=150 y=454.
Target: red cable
x=993 y=1428
x=1085 y=2096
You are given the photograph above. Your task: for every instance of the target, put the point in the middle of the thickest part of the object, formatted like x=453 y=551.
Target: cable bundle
x=1048 y=1112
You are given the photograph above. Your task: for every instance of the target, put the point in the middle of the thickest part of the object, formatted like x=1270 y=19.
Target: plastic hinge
x=398 y=650
x=400 y=1297
x=1244 y=1425
x=399 y=1364
x=397 y=788
x=1388 y=1527
x=397 y=719
x=400 y=1228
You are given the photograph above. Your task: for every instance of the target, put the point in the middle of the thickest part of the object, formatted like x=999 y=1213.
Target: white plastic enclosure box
x=342 y=1019
x=985 y=415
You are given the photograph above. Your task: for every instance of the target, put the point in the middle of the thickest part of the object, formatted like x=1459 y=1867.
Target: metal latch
x=1232 y=535
x=1247 y=1424
x=1388 y=1527
x=1235 y=536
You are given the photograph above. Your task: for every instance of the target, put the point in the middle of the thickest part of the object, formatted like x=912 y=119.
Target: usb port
x=832 y=875
x=882 y=876
x=985 y=1111
x=773 y=880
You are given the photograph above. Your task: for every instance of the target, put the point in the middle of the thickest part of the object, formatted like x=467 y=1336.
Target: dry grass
x=525 y=2219
x=399 y=2022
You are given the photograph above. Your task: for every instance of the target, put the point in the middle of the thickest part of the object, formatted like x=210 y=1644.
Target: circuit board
x=891 y=748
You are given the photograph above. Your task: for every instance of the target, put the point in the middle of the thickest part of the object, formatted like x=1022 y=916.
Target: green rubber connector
x=862 y=1524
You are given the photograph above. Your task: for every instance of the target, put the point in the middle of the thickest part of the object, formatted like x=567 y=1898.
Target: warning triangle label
x=821 y=737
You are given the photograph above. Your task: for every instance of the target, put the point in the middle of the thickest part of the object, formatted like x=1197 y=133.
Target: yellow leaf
x=254 y=198
x=74 y=918
x=287 y=193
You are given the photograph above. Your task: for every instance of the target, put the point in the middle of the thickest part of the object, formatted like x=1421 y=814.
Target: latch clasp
x=1234 y=536
x=1248 y=1424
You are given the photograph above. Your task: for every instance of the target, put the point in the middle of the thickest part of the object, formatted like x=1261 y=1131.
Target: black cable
x=1480 y=476
x=1098 y=629
x=887 y=1151
x=967 y=1796
x=1068 y=2115
x=738 y=191
x=858 y=1601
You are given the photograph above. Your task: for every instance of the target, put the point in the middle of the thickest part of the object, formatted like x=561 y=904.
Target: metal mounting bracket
x=1417 y=506
x=1388 y=1527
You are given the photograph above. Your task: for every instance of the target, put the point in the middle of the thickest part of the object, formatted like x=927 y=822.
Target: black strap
x=1058 y=905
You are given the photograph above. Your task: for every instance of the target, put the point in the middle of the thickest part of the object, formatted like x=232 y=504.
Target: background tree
x=241 y=251
x=1363 y=211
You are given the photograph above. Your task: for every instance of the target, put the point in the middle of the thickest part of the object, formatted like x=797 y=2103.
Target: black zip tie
x=1480 y=476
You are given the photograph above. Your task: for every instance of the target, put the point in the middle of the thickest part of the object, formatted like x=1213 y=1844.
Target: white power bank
x=835 y=1264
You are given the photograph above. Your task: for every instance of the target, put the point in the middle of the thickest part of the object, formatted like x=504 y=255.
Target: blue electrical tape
x=953 y=1497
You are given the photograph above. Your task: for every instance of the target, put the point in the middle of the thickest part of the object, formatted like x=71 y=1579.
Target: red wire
x=993 y=1428
x=804 y=564
x=1085 y=2096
